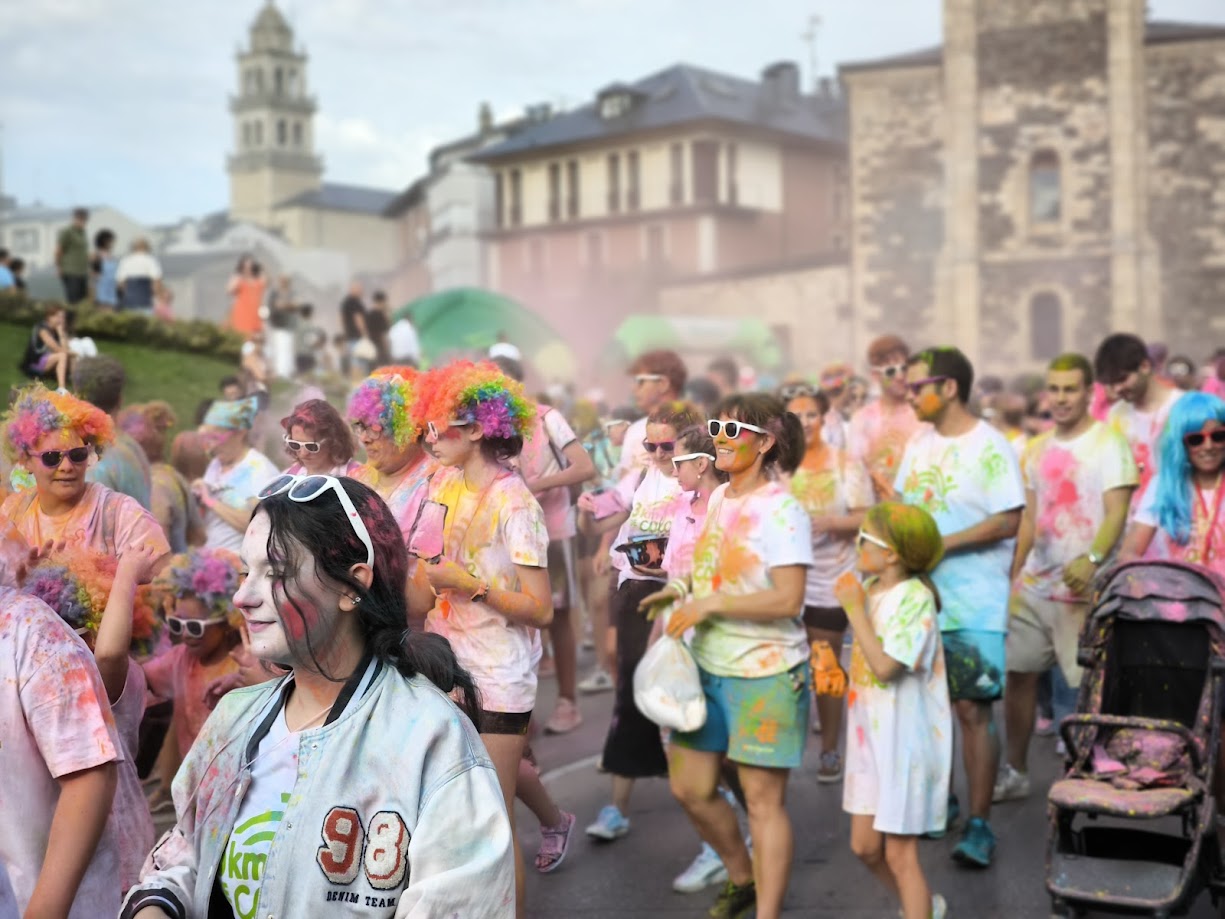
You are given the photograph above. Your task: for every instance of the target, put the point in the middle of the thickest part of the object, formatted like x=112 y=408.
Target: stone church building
x=1053 y=172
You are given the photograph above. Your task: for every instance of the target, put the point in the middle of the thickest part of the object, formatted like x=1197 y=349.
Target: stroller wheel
x=1061 y=909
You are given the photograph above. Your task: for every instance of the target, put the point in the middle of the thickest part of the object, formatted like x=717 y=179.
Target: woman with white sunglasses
x=319 y=441
x=749 y=570
x=357 y=764
x=632 y=748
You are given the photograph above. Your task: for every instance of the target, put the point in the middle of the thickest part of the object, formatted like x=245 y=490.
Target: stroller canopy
x=1163 y=592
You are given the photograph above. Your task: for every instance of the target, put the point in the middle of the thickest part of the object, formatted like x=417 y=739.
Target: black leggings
x=633 y=748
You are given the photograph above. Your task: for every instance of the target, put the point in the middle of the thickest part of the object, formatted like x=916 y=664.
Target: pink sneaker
x=565 y=718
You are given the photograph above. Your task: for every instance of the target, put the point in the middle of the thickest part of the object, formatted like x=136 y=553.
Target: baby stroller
x=1132 y=822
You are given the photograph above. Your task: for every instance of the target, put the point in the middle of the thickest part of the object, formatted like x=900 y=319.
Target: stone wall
x=1043 y=87
x=1186 y=125
x=897 y=200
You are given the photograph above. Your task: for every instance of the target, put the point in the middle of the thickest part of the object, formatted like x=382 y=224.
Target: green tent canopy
x=469 y=319
x=751 y=339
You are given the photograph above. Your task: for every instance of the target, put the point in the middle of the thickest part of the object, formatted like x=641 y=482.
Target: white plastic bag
x=667 y=688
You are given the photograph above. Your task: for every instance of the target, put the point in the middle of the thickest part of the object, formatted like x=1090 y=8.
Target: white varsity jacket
x=396 y=811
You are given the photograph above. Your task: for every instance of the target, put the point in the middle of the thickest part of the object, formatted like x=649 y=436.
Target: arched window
x=246 y=134
x=297 y=134
x=293 y=82
x=281 y=135
x=259 y=133
x=1045 y=326
x=259 y=81
x=1045 y=188
x=279 y=81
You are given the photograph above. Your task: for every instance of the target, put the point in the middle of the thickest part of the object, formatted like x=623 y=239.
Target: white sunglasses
x=435 y=434
x=862 y=537
x=733 y=428
x=302 y=489
x=685 y=457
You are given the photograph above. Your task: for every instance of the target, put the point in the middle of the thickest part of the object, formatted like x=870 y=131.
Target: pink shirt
x=55 y=720
x=403 y=497
x=180 y=676
x=877 y=436
x=130 y=821
x=103 y=521
x=541 y=457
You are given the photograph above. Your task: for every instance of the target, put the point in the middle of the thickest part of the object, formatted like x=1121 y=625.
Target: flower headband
x=479 y=393
x=210 y=575
x=387 y=398
x=38 y=411
x=77 y=583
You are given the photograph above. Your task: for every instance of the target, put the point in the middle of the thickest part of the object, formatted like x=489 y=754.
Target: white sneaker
x=705 y=871
x=940 y=909
x=1011 y=785
x=599 y=681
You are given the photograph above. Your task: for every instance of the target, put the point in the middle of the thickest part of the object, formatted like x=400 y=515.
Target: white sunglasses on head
x=302 y=489
x=685 y=457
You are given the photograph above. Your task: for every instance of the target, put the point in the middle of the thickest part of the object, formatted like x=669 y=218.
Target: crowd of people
x=327 y=667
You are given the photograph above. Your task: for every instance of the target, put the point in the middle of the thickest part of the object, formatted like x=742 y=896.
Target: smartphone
x=428 y=529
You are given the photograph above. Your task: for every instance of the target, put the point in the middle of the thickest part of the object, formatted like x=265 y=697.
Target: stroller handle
x=1068 y=726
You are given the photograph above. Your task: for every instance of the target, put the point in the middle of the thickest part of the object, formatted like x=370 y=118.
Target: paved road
x=631 y=877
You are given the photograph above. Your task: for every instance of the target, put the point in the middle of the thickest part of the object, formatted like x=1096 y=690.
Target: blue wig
x=1174 y=494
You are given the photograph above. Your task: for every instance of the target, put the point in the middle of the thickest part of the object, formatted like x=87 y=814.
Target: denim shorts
x=760 y=721
x=974 y=662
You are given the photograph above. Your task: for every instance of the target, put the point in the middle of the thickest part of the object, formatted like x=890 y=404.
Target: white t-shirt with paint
x=961 y=481
x=833 y=489
x=900 y=734
x=235 y=486
x=1068 y=479
x=743 y=539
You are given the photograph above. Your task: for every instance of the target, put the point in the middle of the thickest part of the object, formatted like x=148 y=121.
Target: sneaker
x=1012 y=785
x=735 y=902
x=954 y=811
x=1044 y=727
x=599 y=681
x=705 y=870
x=829 y=769
x=546 y=668
x=609 y=825
x=1061 y=749
x=977 y=844
x=940 y=909
x=565 y=718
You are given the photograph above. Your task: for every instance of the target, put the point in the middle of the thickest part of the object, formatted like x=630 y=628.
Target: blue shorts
x=974 y=662
x=762 y=721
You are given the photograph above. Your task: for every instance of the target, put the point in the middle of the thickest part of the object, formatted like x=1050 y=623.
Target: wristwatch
x=1094 y=559
x=482 y=591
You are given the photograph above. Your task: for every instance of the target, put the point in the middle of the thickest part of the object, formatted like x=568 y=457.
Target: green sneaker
x=977 y=844
x=735 y=902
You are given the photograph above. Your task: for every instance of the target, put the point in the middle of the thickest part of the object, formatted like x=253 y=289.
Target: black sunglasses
x=1197 y=438
x=52 y=458
x=664 y=446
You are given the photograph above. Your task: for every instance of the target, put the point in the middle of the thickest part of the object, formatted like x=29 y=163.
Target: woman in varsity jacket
x=354 y=786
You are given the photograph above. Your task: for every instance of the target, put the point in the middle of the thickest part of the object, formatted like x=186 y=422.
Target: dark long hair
x=321 y=529
x=767 y=411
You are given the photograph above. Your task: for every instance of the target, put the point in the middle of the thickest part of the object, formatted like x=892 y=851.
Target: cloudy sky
x=124 y=102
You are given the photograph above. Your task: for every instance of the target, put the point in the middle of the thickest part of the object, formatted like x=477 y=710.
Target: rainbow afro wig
x=37 y=412
x=387 y=398
x=477 y=392
x=76 y=584
x=209 y=575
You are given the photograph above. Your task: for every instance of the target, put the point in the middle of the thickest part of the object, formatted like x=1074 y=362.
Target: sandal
x=554 y=844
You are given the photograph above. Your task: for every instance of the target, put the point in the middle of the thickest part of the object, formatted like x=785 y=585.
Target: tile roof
x=678 y=95
x=332 y=196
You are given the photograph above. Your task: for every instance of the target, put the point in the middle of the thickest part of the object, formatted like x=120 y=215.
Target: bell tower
x=274 y=143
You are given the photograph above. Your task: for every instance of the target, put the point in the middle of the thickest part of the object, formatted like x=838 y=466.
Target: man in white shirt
x=403 y=343
x=963 y=472
x=1142 y=400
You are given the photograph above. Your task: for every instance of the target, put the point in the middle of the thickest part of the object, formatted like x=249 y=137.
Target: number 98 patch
x=385 y=848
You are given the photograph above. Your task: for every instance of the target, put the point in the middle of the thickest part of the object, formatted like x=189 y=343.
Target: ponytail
x=431 y=656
